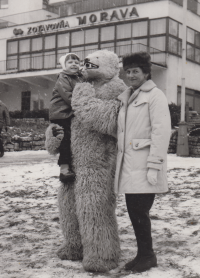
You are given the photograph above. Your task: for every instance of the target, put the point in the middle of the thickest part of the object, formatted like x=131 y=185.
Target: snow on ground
x=30 y=232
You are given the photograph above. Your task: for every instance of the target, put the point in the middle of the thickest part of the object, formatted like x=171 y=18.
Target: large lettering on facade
x=47 y=27
x=105 y=16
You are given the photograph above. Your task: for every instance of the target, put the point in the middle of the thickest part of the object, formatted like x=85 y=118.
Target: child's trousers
x=65 y=146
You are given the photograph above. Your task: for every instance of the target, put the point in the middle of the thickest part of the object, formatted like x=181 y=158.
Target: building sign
x=48 y=27
x=94 y=18
x=105 y=16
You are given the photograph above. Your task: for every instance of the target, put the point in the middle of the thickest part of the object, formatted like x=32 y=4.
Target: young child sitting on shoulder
x=60 y=110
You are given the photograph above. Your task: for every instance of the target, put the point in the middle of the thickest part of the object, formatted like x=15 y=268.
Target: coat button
x=136 y=145
x=161 y=160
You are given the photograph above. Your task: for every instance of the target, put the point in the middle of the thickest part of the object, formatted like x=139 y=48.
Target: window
x=63 y=40
x=193 y=45
x=24 y=46
x=60 y=53
x=43 y=52
x=37 y=61
x=173 y=45
x=36 y=44
x=180 y=48
x=158 y=43
x=192 y=97
x=26 y=101
x=139 y=29
x=11 y=62
x=108 y=46
x=197 y=101
x=197 y=55
x=79 y=51
x=123 y=48
x=91 y=35
x=158 y=26
x=78 y=38
x=12 y=47
x=139 y=47
x=49 y=60
x=197 y=39
x=3 y=4
x=173 y=27
x=174 y=41
x=50 y=42
x=190 y=35
x=24 y=62
x=141 y=41
x=190 y=52
x=124 y=31
x=108 y=33
x=90 y=48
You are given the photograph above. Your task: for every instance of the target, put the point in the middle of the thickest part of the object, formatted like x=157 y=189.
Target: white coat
x=144 y=128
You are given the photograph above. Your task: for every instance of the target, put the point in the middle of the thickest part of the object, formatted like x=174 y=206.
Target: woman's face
x=136 y=77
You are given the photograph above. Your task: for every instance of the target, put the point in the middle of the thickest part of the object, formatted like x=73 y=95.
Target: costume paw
x=52 y=142
x=66 y=253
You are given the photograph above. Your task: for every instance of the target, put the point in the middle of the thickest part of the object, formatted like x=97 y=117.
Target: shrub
x=44 y=113
x=175 y=112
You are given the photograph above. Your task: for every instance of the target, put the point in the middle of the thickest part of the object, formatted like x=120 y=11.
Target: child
x=60 y=110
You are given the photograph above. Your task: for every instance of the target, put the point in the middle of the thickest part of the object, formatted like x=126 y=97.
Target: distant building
x=34 y=34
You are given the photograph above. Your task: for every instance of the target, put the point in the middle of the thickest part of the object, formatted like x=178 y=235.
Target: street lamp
x=182 y=144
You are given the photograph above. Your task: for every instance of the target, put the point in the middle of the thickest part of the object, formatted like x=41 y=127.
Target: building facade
x=34 y=34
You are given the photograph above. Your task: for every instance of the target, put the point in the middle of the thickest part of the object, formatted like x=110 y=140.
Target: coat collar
x=126 y=96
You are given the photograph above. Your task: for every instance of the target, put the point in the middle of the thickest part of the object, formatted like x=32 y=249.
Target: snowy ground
x=29 y=223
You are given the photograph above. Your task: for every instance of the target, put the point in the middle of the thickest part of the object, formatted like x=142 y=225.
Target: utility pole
x=182 y=144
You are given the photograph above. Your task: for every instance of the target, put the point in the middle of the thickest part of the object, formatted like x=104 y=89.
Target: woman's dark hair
x=140 y=60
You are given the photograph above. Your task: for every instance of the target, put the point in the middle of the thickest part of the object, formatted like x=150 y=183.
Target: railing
x=178 y=2
x=51 y=9
x=80 y=7
x=44 y=62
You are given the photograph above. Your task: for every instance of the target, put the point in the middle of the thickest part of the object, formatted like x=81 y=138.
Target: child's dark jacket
x=60 y=104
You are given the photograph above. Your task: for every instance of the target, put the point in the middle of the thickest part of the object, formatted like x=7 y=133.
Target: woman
x=143 y=137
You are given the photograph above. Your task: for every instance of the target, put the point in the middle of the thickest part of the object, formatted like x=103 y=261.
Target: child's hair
x=72 y=56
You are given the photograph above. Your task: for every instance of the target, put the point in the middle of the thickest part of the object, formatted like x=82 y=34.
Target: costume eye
x=87 y=65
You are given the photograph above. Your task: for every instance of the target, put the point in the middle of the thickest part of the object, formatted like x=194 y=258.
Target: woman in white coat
x=143 y=137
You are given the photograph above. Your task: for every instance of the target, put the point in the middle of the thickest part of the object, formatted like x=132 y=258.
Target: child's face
x=72 y=66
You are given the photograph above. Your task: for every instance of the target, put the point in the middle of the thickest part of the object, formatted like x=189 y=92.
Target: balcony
x=51 y=9
x=49 y=62
x=80 y=7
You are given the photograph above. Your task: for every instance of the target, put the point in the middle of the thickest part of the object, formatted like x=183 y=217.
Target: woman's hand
x=152 y=176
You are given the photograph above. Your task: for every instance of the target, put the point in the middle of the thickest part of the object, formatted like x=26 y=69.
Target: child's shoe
x=65 y=173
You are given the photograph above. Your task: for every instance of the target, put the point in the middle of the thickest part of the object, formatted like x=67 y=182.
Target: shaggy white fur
x=52 y=143
x=87 y=206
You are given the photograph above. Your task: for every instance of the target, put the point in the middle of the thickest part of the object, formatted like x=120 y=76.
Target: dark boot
x=130 y=265
x=147 y=258
x=145 y=263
